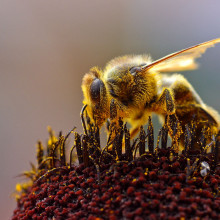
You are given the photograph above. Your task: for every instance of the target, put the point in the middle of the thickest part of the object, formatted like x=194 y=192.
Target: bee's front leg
x=165 y=103
x=113 y=110
x=114 y=125
x=112 y=122
x=113 y=115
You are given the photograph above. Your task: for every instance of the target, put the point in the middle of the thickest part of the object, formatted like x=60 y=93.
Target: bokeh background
x=47 y=46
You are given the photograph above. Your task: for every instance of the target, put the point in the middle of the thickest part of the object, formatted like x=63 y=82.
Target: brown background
x=47 y=46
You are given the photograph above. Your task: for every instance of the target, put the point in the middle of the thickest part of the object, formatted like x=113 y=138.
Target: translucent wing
x=181 y=60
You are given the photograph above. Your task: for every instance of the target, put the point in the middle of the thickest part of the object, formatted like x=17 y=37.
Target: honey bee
x=133 y=87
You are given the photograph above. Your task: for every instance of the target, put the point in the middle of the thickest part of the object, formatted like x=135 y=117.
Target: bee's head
x=95 y=96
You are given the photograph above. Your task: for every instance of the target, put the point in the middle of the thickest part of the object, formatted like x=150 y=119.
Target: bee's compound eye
x=95 y=89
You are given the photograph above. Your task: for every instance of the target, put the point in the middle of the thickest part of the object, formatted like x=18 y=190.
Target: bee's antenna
x=83 y=120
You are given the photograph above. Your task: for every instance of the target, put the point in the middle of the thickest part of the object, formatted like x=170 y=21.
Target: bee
x=133 y=87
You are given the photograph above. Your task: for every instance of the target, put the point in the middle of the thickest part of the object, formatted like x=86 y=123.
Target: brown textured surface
x=149 y=186
x=117 y=184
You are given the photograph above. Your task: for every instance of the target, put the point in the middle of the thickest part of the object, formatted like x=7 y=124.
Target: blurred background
x=47 y=46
